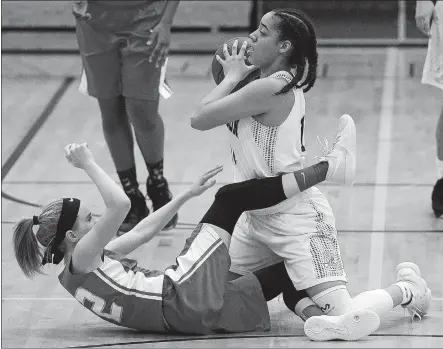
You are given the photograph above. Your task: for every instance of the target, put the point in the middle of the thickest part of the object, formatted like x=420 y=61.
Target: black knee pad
x=222 y=213
x=291 y=297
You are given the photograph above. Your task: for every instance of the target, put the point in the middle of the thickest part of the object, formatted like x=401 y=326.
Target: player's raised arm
x=87 y=253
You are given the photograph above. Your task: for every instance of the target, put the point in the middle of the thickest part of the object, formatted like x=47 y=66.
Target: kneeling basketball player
x=193 y=296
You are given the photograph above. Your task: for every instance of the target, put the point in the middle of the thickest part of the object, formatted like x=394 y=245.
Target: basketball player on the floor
x=194 y=295
x=429 y=19
x=266 y=120
x=123 y=46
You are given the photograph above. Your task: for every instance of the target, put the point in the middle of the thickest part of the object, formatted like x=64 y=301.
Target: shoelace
x=415 y=314
x=323 y=141
x=324 y=144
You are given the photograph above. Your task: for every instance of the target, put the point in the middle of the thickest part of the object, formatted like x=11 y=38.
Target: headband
x=66 y=221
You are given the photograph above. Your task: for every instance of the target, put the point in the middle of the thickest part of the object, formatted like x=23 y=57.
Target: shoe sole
x=350 y=174
x=352 y=326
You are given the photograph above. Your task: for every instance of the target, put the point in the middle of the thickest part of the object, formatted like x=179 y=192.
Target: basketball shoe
x=437 y=198
x=351 y=326
x=138 y=211
x=159 y=193
x=342 y=156
x=421 y=295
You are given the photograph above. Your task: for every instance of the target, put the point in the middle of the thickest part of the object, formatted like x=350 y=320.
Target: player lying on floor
x=193 y=296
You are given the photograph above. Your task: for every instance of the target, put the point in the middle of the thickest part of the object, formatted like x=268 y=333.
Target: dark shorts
x=112 y=43
x=199 y=299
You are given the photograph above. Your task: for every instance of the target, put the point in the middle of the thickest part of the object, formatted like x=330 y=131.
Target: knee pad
x=334 y=301
x=222 y=214
x=292 y=297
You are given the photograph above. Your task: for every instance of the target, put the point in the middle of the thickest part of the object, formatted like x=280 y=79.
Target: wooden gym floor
x=384 y=219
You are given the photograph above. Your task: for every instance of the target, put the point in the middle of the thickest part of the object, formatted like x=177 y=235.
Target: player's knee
x=143 y=114
x=232 y=191
x=291 y=297
x=113 y=113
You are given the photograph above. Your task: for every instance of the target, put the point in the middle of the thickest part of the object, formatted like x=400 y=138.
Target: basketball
x=217 y=68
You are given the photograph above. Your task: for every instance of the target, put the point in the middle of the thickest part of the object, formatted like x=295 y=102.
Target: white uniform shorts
x=303 y=235
x=433 y=67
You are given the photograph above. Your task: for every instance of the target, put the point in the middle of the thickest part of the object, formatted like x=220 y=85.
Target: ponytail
x=26 y=249
x=27 y=245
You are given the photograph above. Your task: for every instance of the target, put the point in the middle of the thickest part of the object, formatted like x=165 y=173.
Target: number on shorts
x=98 y=304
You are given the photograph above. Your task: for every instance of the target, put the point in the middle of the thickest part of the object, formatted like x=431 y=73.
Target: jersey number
x=98 y=305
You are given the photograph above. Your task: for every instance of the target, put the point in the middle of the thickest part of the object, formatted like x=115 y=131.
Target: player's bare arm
x=154 y=223
x=86 y=255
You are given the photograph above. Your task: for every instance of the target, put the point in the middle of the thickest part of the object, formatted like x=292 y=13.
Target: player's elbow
x=198 y=121
x=123 y=204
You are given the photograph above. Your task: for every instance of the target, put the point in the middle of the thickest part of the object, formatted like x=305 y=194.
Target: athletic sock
x=155 y=172
x=379 y=301
x=128 y=179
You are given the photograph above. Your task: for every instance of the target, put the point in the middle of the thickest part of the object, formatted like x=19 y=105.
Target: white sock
x=379 y=301
x=334 y=301
x=405 y=288
x=439 y=164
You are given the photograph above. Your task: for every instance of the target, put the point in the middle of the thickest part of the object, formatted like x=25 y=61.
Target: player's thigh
x=99 y=52
x=306 y=239
x=247 y=253
x=194 y=287
x=140 y=78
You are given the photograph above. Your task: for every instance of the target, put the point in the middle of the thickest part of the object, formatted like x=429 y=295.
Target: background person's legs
x=99 y=50
x=140 y=87
x=150 y=135
x=437 y=192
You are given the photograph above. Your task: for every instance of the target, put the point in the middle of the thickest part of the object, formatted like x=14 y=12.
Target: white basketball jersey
x=262 y=151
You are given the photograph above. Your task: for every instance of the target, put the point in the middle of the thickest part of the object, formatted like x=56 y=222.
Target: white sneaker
x=351 y=326
x=342 y=156
x=421 y=294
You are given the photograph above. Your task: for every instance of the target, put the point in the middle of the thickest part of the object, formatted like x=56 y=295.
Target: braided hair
x=296 y=27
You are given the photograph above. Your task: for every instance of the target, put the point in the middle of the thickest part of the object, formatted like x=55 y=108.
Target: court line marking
x=361 y=184
x=382 y=169
x=37 y=299
x=185 y=226
x=36 y=126
x=208 y=338
x=73 y=299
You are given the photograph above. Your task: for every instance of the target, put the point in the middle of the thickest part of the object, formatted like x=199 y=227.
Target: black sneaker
x=160 y=195
x=138 y=211
x=437 y=198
